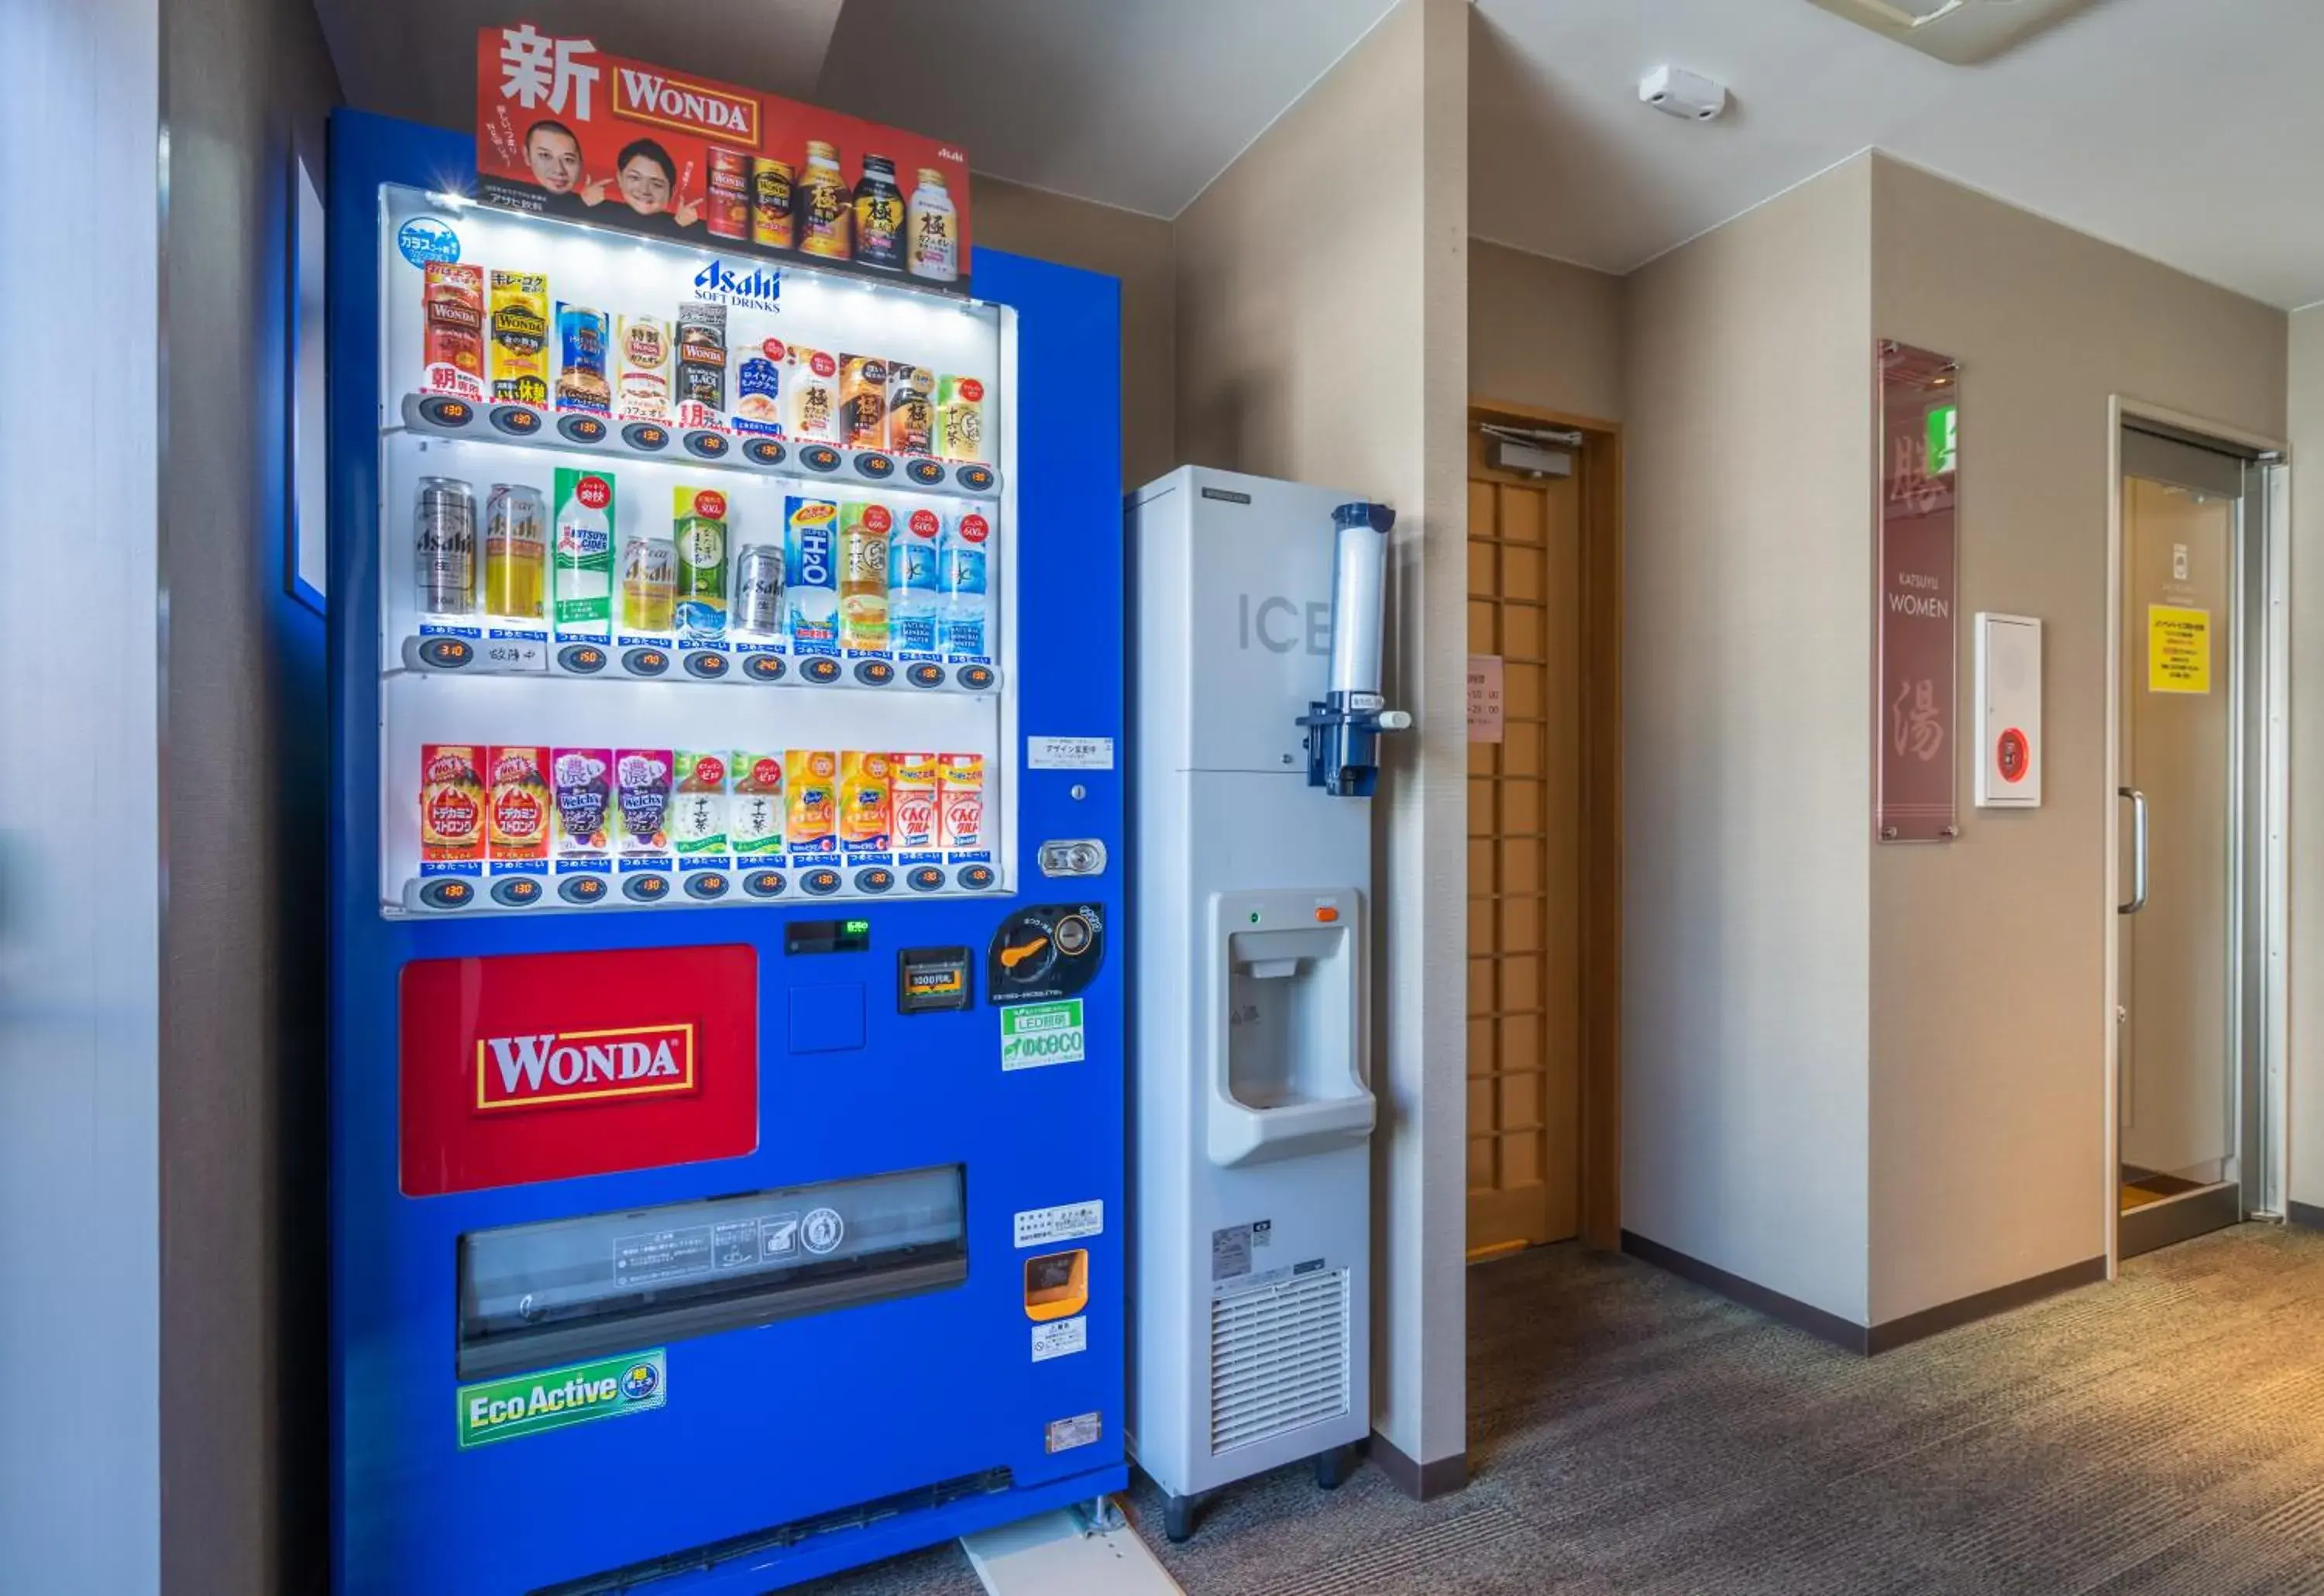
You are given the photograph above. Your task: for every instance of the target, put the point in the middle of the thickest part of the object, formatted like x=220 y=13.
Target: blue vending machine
x=726 y=1088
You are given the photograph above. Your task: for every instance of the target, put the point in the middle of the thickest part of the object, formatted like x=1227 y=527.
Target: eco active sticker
x=1035 y=1034
x=552 y=1398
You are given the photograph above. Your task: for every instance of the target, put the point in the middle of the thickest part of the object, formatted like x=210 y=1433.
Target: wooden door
x=1525 y=861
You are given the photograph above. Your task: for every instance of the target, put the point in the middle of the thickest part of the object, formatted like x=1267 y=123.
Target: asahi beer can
x=445 y=539
x=516 y=552
x=758 y=589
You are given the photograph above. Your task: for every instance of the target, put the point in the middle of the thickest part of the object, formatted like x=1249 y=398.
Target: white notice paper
x=1069 y=754
x=1484 y=697
x=1060 y=1336
x=1068 y=1221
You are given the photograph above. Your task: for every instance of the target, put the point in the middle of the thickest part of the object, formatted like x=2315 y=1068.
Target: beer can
x=445 y=538
x=758 y=589
x=516 y=551
x=770 y=202
x=726 y=212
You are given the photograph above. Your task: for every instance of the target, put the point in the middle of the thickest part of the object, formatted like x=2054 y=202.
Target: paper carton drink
x=960 y=801
x=580 y=783
x=451 y=803
x=521 y=806
x=811 y=782
x=754 y=813
x=641 y=792
x=864 y=820
x=912 y=801
x=699 y=810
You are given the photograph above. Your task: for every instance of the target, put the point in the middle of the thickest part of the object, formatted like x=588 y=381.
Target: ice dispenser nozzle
x=1343 y=726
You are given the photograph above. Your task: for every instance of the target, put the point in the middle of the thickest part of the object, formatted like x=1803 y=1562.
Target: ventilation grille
x=1278 y=1359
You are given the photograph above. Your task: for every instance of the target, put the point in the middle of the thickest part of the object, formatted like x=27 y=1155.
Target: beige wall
x=1988 y=1007
x=1122 y=243
x=1747 y=688
x=1345 y=365
x=1543 y=333
x=2304 y=425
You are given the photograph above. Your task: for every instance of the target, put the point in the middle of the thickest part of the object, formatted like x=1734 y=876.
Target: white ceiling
x=2169 y=127
x=2191 y=131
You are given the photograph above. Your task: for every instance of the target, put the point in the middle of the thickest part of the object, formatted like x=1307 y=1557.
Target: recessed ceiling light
x=1962 y=31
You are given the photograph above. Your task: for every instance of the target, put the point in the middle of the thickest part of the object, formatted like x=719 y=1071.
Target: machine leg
x=1334 y=1467
x=1178 y=1517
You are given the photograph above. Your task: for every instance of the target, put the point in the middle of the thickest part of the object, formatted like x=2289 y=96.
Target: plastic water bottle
x=912 y=559
x=961 y=617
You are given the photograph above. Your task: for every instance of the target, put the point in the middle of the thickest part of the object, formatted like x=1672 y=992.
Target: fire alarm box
x=2008 y=712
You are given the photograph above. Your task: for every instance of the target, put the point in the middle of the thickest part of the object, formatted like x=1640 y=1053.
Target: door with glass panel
x=2191 y=555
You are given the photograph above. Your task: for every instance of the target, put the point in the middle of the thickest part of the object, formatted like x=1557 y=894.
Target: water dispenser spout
x=1343 y=726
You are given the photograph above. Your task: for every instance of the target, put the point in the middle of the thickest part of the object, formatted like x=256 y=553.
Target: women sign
x=1920 y=450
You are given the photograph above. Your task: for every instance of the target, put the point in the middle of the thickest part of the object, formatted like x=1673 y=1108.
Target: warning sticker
x=1067 y=1221
x=1060 y=1337
x=1081 y=1430
x=1230 y=1252
x=2178 y=650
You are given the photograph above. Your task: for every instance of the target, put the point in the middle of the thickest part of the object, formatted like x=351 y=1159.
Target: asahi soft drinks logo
x=583 y=1065
x=753 y=288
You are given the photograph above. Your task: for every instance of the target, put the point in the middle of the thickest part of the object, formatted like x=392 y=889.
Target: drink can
x=758 y=589
x=522 y=804
x=699 y=527
x=516 y=551
x=864 y=818
x=648 y=585
x=580 y=784
x=770 y=203
x=912 y=788
x=811 y=780
x=960 y=801
x=445 y=536
x=451 y=803
x=642 y=790
x=727 y=213
x=754 y=813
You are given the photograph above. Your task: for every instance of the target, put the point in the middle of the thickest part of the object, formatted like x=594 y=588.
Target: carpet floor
x=1630 y=1433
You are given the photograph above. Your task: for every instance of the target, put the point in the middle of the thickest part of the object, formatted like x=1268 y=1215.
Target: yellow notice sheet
x=2178 y=650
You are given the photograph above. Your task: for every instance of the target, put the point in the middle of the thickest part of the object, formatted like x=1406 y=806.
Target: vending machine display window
x=694 y=574
x=566 y=1290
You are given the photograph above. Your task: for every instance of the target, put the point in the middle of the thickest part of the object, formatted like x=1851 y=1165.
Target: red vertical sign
x=1920 y=469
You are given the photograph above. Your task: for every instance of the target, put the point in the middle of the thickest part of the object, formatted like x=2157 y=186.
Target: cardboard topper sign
x=564 y=129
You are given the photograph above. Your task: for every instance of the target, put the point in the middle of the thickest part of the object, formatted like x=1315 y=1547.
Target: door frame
x=1597 y=464
x=2273 y=681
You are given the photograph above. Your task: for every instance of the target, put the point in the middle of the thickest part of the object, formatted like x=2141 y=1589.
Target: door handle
x=2137 y=851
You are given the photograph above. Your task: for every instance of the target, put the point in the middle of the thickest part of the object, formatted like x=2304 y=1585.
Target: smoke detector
x=1677 y=92
x=1963 y=32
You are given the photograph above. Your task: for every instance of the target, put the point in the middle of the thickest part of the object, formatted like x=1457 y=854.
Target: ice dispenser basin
x=1288 y=982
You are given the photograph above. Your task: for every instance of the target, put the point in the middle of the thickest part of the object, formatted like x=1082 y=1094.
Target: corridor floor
x=1630 y=1433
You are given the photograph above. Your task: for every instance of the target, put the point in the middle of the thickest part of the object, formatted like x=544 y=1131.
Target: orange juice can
x=811 y=775
x=863 y=813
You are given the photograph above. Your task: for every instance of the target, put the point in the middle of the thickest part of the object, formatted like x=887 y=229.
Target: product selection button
x=763 y=667
x=581 y=659
x=516 y=891
x=976 y=878
x=819 y=669
x=448 y=653
x=515 y=420
x=764 y=883
x=708 y=664
x=976 y=678
x=927 y=474
x=821 y=458
x=926 y=675
x=874 y=467
x=976 y=479
x=646 y=436
x=441 y=412
x=821 y=881
x=765 y=451
x=707 y=445
x=451 y=894
x=874 y=879
x=926 y=879
x=589 y=430
x=646 y=889
x=645 y=662
x=706 y=884
x=582 y=889
x=875 y=673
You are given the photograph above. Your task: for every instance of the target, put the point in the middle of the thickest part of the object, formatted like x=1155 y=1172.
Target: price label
x=502 y=652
